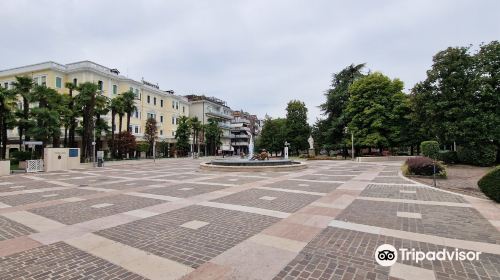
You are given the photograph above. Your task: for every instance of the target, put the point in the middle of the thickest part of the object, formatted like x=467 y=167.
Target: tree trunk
x=56 y=140
x=112 y=146
x=65 y=136
x=72 y=121
x=26 y=112
x=2 y=131
x=128 y=121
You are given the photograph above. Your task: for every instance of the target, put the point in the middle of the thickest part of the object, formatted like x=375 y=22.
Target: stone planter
x=4 y=167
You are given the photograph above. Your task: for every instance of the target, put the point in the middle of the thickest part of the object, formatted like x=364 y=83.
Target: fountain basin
x=253 y=165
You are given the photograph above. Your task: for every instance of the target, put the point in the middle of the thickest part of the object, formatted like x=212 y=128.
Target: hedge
x=448 y=156
x=430 y=149
x=490 y=184
x=481 y=155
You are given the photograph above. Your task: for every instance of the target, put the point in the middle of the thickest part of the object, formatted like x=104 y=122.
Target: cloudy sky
x=257 y=55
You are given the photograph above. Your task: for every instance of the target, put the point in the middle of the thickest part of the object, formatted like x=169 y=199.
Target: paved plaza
x=171 y=220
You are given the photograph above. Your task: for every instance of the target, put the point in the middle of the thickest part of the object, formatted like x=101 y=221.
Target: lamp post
x=93 y=143
x=346 y=130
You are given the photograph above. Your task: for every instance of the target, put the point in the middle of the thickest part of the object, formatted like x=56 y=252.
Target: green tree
x=7 y=116
x=331 y=133
x=298 y=129
x=196 y=127
x=182 y=135
x=458 y=101
x=273 y=135
x=151 y=132
x=47 y=117
x=212 y=133
x=22 y=87
x=377 y=109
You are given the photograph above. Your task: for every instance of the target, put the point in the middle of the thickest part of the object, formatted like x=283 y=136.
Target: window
x=99 y=85
x=137 y=114
x=43 y=80
x=161 y=132
x=151 y=115
x=75 y=81
x=173 y=133
x=176 y=120
x=161 y=103
x=136 y=129
x=173 y=104
x=173 y=120
x=177 y=105
x=154 y=100
x=161 y=119
x=58 y=82
x=149 y=99
x=183 y=109
x=115 y=89
x=6 y=85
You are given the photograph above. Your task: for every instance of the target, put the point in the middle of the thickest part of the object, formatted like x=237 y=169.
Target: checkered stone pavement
x=28 y=198
x=410 y=192
x=185 y=190
x=77 y=212
x=10 y=229
x=60 y=261
x=445 y=221
x=346 y=254
x=164 y=235
x=284 y=202
x=320 y=187
x=171 y=220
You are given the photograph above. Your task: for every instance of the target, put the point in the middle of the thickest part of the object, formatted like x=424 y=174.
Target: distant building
x=244 y=127
x=205 y=108
x=151 y=101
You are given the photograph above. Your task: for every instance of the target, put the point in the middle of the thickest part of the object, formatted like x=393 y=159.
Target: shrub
x=21 y=155
x=481 y=155
x=423 y=166
x=430 y=149
x=448 y=156
x=490 y=184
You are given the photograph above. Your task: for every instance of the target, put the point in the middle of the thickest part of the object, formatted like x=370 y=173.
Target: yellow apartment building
x=151 y=101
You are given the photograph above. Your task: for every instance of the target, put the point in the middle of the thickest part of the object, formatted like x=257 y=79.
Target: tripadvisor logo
x=387 y=255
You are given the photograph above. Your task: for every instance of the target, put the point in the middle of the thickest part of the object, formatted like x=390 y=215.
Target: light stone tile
x=3 y=205
x=353 y=226
x=73 y=199
x=404 y=191
x=33 y=191
x=50 y=195
x=154 y=196
x=247 y=209
x=33 y=221
x=141 y=213
x=278 y=242
x=409 y=272
x=5 y=183
x=185 y=189
x=422 y=202
x=304 y=185
x=410 y=215
x=194 y=224
x=17 y=187
x=97 y=189
x=270 y=198
x=291 y=191
x=102 y=205
x=132 y=259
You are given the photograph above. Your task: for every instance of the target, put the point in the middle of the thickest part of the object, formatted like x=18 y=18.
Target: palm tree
x=116 y=105
x=196 y=126
x=101 y=126
x=47 y=117
x=23 y=86
x=129 y=107
x=72 y=121
x=85 y=102
x=7 y=105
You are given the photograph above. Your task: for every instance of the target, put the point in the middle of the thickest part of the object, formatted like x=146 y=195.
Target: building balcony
x=240 y=143
x=218 y=115
x=240 y=136
x=242 y=128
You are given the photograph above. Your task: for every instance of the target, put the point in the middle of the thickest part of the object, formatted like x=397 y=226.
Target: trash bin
x=100 y=162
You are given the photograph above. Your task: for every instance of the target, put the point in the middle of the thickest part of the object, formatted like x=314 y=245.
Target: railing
x=35 y=165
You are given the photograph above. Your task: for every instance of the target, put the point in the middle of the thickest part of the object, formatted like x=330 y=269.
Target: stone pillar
x=286 y=152
x=312 y=153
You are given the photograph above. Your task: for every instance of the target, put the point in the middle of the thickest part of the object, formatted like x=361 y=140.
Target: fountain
x=260 y=162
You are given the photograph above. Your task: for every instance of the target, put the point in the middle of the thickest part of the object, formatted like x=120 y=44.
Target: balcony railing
x=240 y=136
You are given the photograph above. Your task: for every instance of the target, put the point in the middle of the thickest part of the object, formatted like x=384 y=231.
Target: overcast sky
x=256 y=55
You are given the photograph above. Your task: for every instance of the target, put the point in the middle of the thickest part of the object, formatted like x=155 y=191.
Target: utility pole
x=352 y=142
